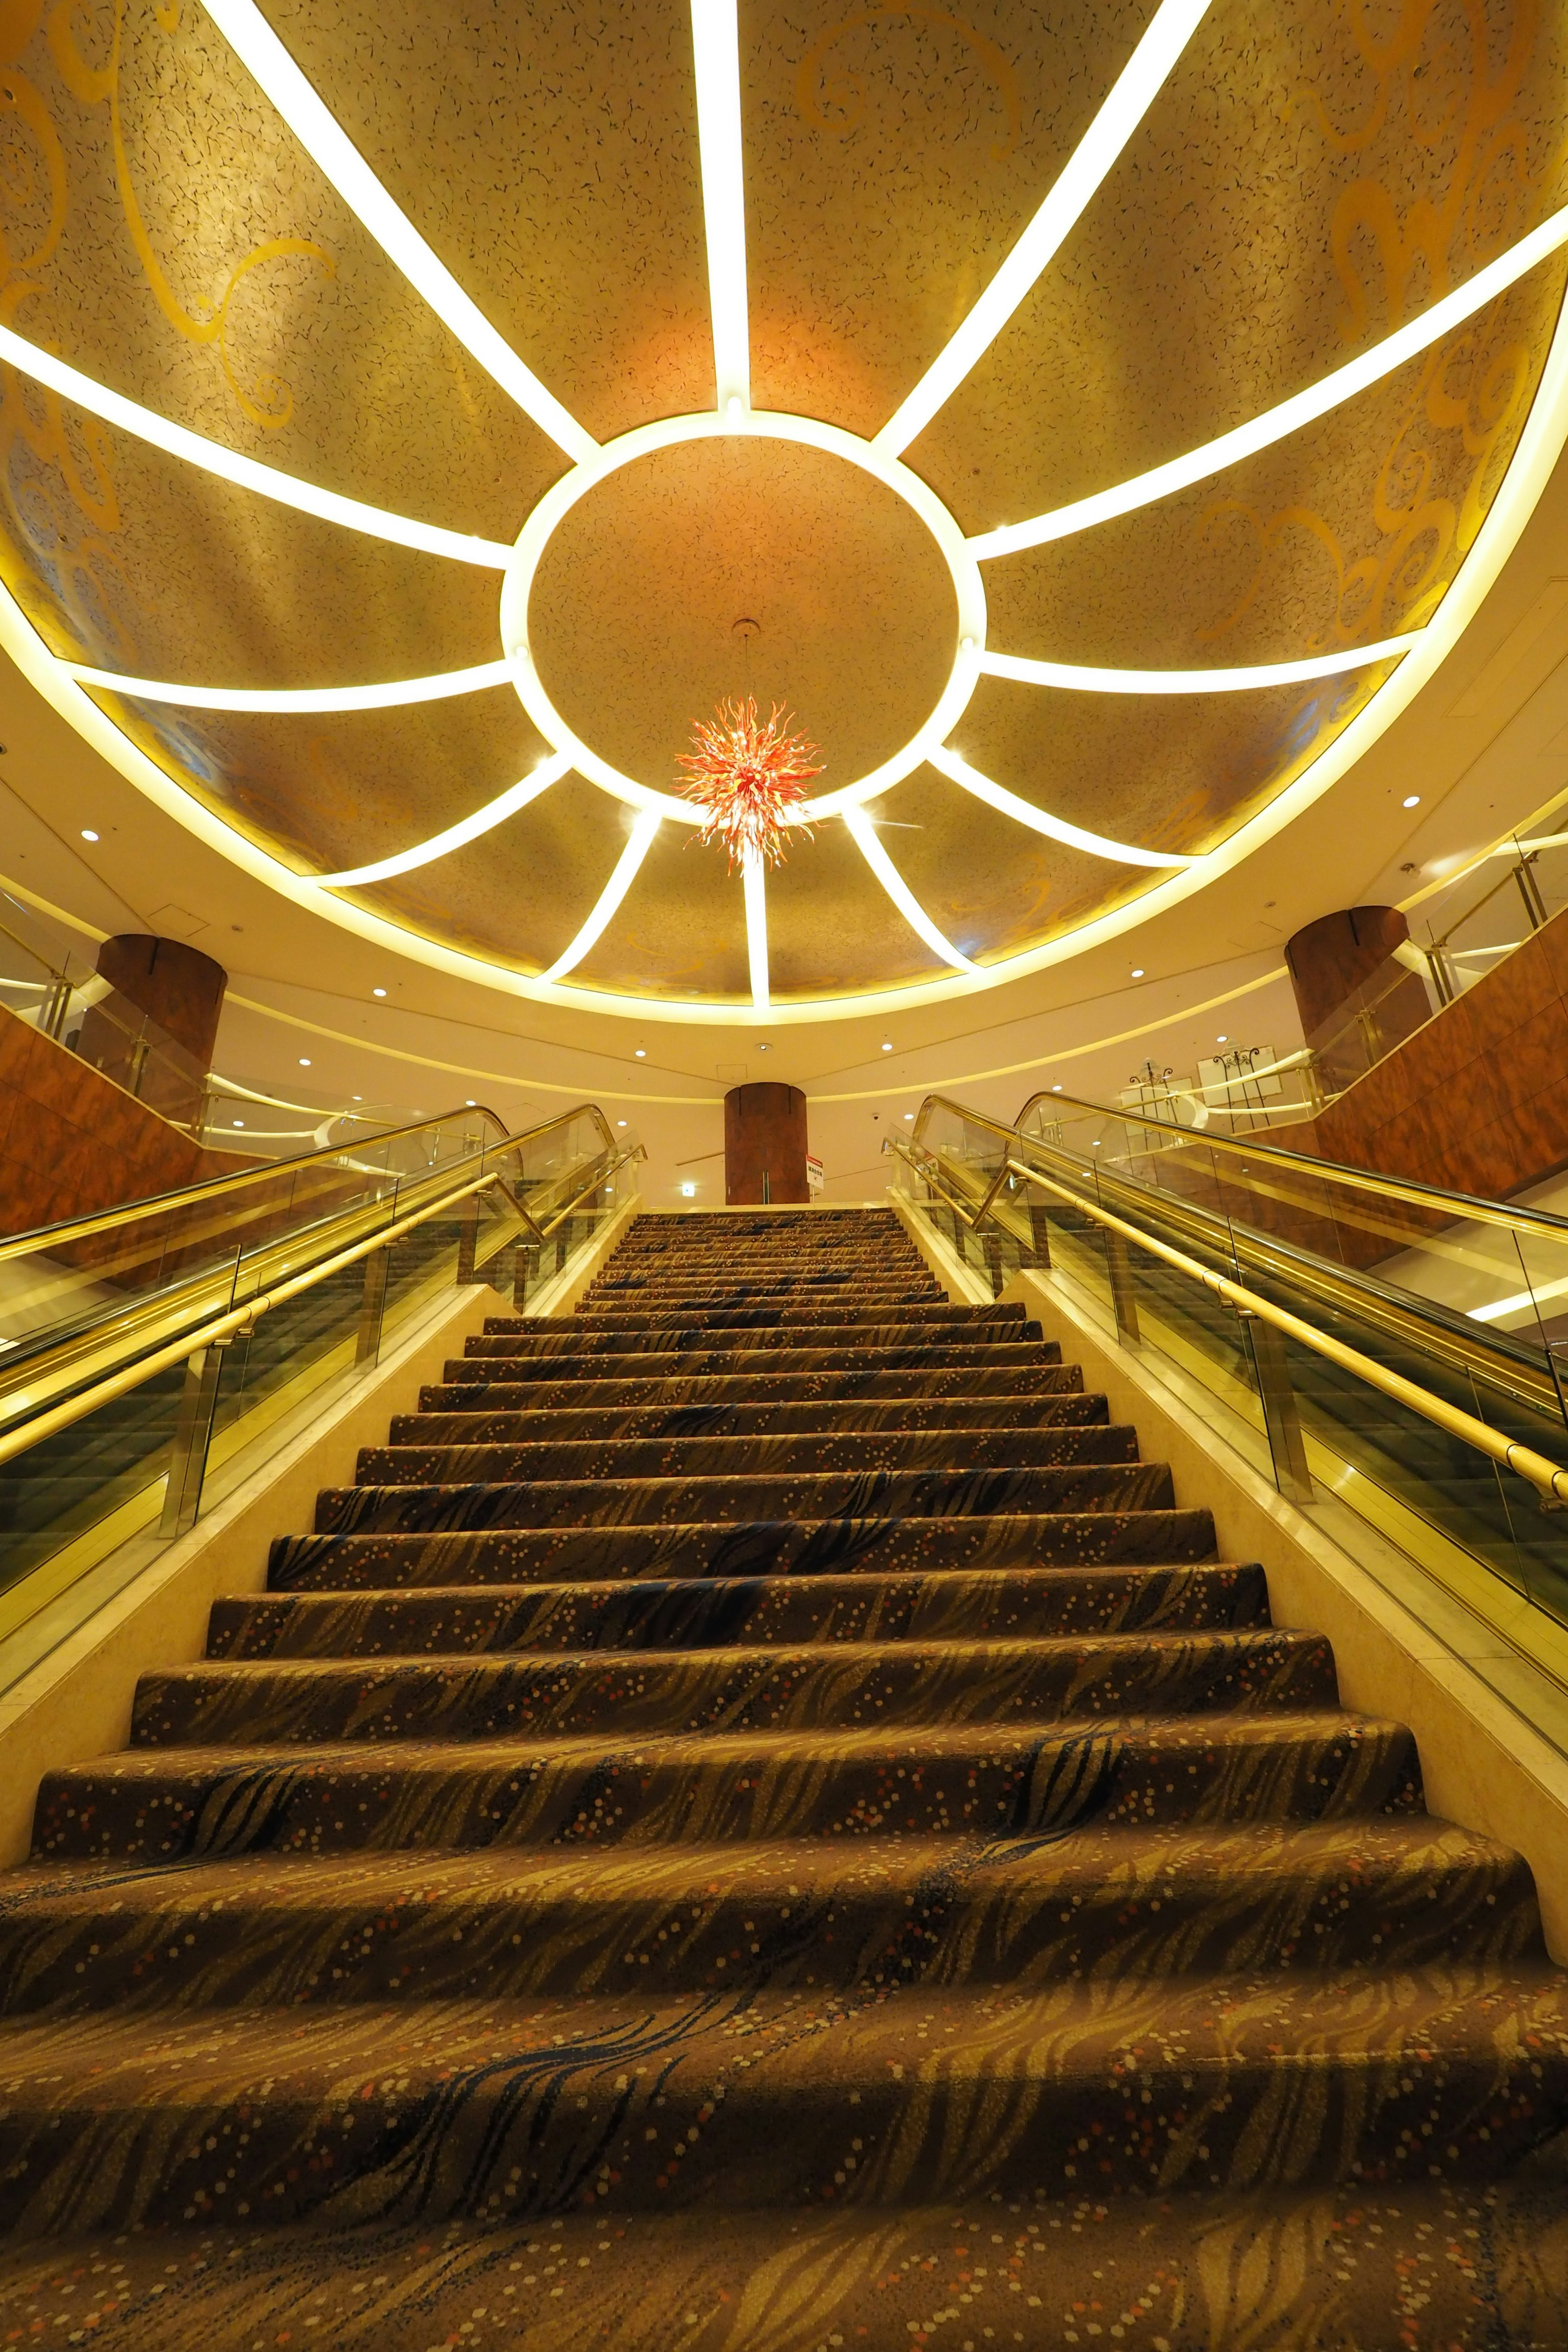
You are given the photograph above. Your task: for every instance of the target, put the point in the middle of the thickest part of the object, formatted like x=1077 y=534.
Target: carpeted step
x=717 y=1314
x=800 y=1494
x=915 y=1685
x=748 y=1548
x=701 y=1455
x=730 y=2102
x=1325 y=2271
x=151 y=1805
x=690 y=1360
x=840 y=1415
x=688 y=1611
x=505 y=1926
x=470 y=1387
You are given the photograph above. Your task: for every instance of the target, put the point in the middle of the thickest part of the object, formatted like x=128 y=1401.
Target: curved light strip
x=440 y=845
x=899 y=891
x=716 y=47
x=754 y=881
x=258 y=46
x=244 y=473
x=1134 y=91
x=392 y=693
x=1008 y=803
x=1290 y=415
x=646 y=825
x=1084 y=680
x=969 y=596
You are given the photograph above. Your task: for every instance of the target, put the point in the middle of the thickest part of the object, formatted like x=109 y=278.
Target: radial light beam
x=1078 y=677
x=440 y=845
x=646 y=824
x=261 y=52
x=754 y=880
x=1302 y=408
x=899 y=891
x=1136 y=87
x=388 y=696
x=244 y=473
x=1008 y=803
x=716 y=44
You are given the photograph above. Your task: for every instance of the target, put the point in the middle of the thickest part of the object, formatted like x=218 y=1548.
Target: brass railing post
x=525 y=1273
x=1123 y=1290
x=193 y=1436
x=1039 y=1233
x=1281 y=1416
x=372 y=1307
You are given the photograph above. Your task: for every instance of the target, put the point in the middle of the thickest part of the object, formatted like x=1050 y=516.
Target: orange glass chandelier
x=749 y=778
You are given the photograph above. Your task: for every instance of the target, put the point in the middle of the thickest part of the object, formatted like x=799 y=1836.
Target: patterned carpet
x=759 y=1822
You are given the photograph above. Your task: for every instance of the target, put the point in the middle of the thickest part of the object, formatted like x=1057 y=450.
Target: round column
x=1355 y=1002
x=155 y=1035
x=764 y=1144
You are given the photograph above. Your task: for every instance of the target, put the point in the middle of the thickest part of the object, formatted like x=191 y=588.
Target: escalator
x=1319 y=1304
x=142 y=1345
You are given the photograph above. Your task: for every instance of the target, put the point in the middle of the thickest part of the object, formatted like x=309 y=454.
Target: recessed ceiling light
x=688 y=1192
x=378 y=992
x=239 y=1122
x=1223 y=1037
x=908 y=1114
x=1137 y=971
x=356 y=1098
x=1411 y=800
x=641 y=1053
x=304 y=1061
x=87 y=833
x=887 y=1045
x=470 y=1104
x=620 y=1122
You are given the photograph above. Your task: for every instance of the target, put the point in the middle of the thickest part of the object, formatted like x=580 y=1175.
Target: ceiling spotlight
x=87 y=833
x=620 y=1122
x=687 y=1191
x=887 y=1045
x=1056 y=1090
x=1411 y=800
x=304 y=1061
x=1223 y=1037
x=1137 y=971
x=764 y=1049
x=470 y=1104
x=239 y=1122
x=356 y=1098
x=641 y=1053
x=909 y=1115
x=378 y=992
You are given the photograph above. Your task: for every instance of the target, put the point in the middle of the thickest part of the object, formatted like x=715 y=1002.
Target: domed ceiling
x=1088 y=422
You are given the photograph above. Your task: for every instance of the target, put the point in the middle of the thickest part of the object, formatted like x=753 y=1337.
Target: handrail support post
x=191 y=1439
x=1281 y=1414
x=373 y=1306
x=1123 y=1286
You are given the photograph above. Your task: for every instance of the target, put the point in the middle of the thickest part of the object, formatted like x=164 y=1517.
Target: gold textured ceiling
x=1303 y=183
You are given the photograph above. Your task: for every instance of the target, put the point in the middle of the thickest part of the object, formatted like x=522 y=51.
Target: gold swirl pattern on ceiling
x=501 y=362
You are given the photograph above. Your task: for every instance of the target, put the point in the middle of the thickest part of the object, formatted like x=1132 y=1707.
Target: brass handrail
x=52 y=1237
x=226 y=1326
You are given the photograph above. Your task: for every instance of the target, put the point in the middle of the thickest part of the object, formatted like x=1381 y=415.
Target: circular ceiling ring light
x=968 y=594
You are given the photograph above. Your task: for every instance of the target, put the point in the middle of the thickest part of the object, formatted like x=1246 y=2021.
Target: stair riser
x=690 y=1614
x=919 y=1685
x=753 y=1547
x=995 y=1783
x=719 y=1456
x=663 y=1502
x=736 y=1339
x=471 y=1389
x=837 y=1420
x=728 y=1365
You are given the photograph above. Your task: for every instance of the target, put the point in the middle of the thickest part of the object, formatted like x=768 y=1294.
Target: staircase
x=759 y=1822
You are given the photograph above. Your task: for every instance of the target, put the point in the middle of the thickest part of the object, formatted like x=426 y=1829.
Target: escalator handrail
x=1458 y=1208
x=219 y=1330
x=1548 y=1479
x=131 y=1212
